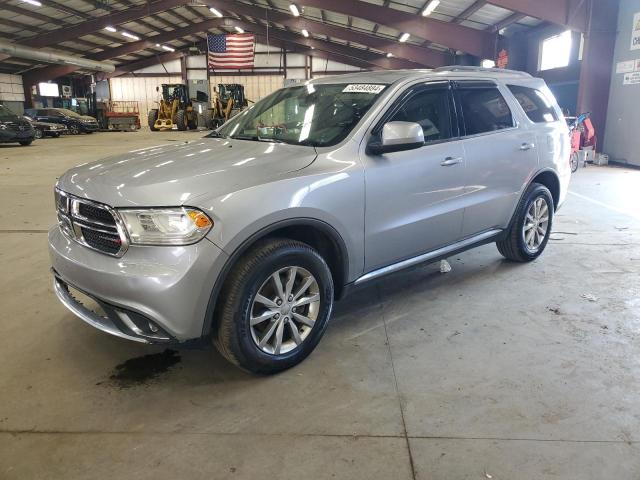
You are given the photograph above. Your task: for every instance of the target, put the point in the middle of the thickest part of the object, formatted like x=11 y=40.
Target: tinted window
x=429 y=108
x=484 y=110
x=535 y=104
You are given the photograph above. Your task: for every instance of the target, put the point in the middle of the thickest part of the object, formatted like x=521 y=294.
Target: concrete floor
x=494 y=370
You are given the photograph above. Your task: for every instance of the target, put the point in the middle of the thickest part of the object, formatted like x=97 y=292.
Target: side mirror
x=397 y=137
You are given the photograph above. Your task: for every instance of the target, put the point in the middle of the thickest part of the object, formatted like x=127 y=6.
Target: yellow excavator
x=175 y=108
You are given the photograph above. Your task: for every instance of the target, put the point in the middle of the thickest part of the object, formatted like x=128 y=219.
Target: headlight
x=165 y=226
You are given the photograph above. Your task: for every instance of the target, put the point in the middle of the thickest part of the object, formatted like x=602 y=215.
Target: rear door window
x=535 y=104
x=483 y=108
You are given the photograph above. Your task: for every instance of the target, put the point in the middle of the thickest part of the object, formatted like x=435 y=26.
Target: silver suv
x=247 y=236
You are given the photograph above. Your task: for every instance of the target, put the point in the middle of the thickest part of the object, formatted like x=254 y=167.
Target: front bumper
x=16 y=135
x=167 y=286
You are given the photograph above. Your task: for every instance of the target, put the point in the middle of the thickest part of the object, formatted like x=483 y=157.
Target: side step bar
x=425 y=257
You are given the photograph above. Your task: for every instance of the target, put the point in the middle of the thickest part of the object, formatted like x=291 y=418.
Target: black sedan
x=74 y=122
x=46 y=129
x=14 y=129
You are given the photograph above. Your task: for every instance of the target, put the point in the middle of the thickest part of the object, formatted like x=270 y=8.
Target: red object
x=589 y=139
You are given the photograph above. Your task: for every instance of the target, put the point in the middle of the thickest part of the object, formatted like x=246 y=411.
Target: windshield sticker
x=363 y=88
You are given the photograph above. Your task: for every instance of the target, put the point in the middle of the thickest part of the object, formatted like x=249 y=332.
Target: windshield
x=69 y=113
x=317 y=115
x=6 y=114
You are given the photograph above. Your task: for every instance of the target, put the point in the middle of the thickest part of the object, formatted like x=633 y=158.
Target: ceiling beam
x=504 y=23
x=91 y=26
x=473 y=8
x=372 y=58
x=570 y=13
x=29 y=13
x=139 y=65
x=419 y=55
x=469 y=40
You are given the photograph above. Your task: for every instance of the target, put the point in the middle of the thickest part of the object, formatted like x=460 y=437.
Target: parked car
x=73 y=121
x=249 y=236
x=44 y=129
x=14 y=129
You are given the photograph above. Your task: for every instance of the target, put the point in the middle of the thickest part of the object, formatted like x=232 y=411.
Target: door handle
x=527 y=146
x=447 y=162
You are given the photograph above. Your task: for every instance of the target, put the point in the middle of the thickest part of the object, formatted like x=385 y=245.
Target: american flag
x=230 y=51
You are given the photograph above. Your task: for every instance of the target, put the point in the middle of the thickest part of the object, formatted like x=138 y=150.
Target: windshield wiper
x=253 y=138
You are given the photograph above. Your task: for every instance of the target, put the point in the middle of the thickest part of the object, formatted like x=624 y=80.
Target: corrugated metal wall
x=140 y=89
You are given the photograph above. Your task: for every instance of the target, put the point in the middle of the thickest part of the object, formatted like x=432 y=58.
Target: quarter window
x=430 y=109
x=535 y=104
x=484 y=110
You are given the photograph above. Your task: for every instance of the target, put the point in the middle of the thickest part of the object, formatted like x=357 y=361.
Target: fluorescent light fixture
x=217 y=13
x=33 y=2
x=487 y=63
x=305 y=33
x=428 y=10
x=404 y=37
x=238 y=29
x=389 y=55
x=110 y=29
x=168 y=49
x=157 y=44
x=130 y=35
x=313 y=48
x=294 y=10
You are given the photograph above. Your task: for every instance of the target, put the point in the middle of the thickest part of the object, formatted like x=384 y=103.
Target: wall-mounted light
x=294 y=10
x=130 y=35
x=404 y=37
x=168 y=49
x=238 y=29
x=305 y=33
x=217 y=13
x=110 y=29
x=428 y=10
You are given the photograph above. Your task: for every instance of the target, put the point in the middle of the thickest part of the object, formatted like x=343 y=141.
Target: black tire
x=26 y=143
x=74 y=130
x=193 y=121
x=38 y=133
x=233 y=337
x=514 y=246
x=151 y=118
x=55 y=135
x=181 y=120
x=574 y=162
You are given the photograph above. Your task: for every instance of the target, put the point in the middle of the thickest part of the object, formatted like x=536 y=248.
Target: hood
x=87 y=118
x=171 y=175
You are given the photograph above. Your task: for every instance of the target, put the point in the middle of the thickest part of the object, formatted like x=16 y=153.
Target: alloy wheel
x=284 y=310
x=536 y=224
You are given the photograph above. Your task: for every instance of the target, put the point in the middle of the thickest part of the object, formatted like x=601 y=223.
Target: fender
x=330 y=231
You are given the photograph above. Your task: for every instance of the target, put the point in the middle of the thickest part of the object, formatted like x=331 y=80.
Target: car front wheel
x=530 y=229
x=277 y=303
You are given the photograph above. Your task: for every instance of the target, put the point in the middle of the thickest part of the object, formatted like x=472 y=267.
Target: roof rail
x=465 y=68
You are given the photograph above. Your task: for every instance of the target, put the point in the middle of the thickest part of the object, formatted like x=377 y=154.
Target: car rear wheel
x=530 y=230
x=38 y=133
x=277 y=303
x=74 y=130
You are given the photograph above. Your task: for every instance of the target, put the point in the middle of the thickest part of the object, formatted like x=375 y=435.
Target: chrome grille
x=91 y=224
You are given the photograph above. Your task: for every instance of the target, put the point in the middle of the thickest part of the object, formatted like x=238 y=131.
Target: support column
x=597 y=56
